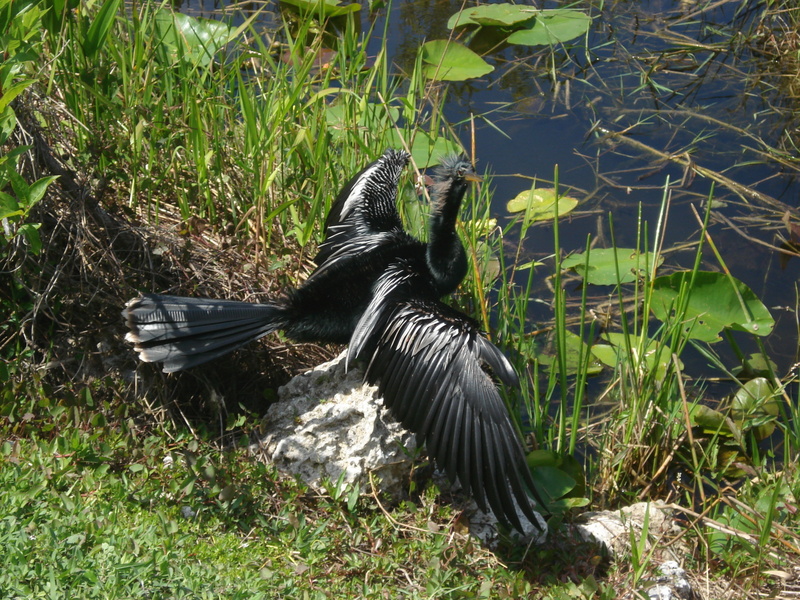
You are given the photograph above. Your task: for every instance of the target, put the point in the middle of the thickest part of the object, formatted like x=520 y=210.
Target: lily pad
x=656 y=357
x=493 y=15
x=324 y=8
x=553 y=26
x=714 y=422
x=577 y=352
x=450 y=61
x=755 y=364
x=603 y=266
x=715 y=302
x=539 y=204
x=193 y=40
x=426 y=150
x=754 y=407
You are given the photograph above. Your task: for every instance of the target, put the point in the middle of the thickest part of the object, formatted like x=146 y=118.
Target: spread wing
x=364 y=213
x=429 y=363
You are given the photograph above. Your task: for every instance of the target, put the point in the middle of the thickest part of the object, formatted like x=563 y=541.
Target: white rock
x=485 y=527
x=674 y=577
x=613 y=529
x=327 y=424
x=660 y=592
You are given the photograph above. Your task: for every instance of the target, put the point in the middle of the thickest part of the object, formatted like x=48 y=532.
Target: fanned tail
x=186 y=332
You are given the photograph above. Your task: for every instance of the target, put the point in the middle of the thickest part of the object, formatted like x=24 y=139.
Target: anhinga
x=378 y=288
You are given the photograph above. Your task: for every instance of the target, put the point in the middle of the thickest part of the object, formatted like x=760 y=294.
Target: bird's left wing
x=430 y=362
x=364 y=213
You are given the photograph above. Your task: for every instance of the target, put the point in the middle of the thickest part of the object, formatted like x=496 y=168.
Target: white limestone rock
x=671 y=583
x=612 y=529
x=327 y=424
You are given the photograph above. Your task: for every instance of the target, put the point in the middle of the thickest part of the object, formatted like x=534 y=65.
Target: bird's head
x=450 y=180
x=455 y=167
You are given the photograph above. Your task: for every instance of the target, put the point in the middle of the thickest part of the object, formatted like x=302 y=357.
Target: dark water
x=682 y=83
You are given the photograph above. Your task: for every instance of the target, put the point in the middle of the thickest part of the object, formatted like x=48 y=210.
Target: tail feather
x=185 y=332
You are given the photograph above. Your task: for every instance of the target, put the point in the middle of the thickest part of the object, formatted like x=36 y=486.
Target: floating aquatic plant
x=538 y=204
x=610 y=266
x=445 y=60
x=716 y=302
x=528 y=26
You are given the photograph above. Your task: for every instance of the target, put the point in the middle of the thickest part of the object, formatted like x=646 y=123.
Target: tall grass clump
x=250 y=130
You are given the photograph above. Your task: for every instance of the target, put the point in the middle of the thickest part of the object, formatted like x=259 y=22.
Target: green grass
x=95 y=507
x=251 y=148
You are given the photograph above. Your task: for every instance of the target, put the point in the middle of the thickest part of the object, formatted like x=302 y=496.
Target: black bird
x=379 y=289
x=185 y=332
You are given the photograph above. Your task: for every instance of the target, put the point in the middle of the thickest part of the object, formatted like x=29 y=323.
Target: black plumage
x=360 y=243
x=379 y=289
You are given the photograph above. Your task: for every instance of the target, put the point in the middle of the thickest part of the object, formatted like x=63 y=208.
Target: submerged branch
x=744 y=192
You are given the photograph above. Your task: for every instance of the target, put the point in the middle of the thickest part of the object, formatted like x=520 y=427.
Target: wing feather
x=364 y=214
x=430 y=365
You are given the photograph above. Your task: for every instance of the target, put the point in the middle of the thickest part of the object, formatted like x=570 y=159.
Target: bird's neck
x=446 y=257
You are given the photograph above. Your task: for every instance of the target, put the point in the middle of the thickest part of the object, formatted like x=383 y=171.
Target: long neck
x=446 y=257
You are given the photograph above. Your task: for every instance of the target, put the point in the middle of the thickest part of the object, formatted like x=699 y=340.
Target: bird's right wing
x=364 y=213
x=430 y=365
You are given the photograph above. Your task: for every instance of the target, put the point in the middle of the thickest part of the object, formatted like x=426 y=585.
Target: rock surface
x=327 y=424
x=671 y=583
x=652 y=521
x=613 y=529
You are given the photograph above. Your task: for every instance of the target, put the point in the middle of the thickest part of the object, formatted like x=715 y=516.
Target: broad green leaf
x=553 y=26
x=427 y=152
x=568 y=478
x=539 y=204
x=603 y=266
x=578 y=357
x=12 y=92
x=98 y=30
x=9 y=206
x=450 y=61
x=754 y=407
x=31 y=233
x=656 y=357
x=8 y=122
x=553 y=481
x=324 y=8
x=193 y=40
x=37 y=190
x=714 y=304
x=10 y=157
x=20 y=186
x=492 y=15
